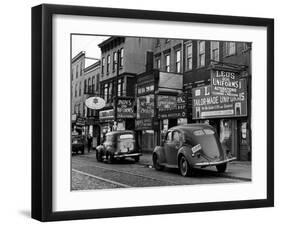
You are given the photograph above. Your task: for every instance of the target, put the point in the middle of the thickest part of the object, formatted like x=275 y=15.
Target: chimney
x=149 y=61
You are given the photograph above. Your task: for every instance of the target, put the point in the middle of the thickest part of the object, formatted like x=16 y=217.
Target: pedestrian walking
x=89 y=142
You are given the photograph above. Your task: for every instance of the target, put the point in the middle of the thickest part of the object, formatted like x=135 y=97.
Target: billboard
x=205 y=104
x=225 y=83
x=145 y=106
x=125 y=107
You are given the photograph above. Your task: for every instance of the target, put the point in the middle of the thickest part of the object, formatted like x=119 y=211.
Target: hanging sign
x=95 y=103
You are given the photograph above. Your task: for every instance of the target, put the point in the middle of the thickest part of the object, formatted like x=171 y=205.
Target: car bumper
x=127 y=155
x=203 y=164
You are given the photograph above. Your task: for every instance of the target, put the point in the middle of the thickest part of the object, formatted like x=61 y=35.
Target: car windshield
x=208 y=142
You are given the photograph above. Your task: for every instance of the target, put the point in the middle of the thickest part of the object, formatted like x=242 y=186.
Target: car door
x=168 y=146
x=176 y=144
x=171 y=147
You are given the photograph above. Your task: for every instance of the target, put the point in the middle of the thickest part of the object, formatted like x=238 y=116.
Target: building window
x=77 y=71
x=85 y=86
x=79 y=88
x=230 y=48
x=167 y=40
x=215 y=51
x=72 y=75
x=81 y=69
x=158 y=63
x=89 y=85
x=188 y=65
x=109 y=91
x=201 y=54
x=167 y=63
x=102 y=65
x=120 y=87
x=93 y=84
x=114 y=61
x=122 y=57
x=108 y=64
x=178 y=61
x=157 y=43
x=75 y=90
x=105 y=92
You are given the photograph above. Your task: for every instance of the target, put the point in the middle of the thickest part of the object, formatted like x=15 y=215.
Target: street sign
x=95 y=103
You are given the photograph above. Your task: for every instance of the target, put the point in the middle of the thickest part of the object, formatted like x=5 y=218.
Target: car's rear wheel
x=221 y=168
x=137 y=159
x=156 y=163
x=185 y=169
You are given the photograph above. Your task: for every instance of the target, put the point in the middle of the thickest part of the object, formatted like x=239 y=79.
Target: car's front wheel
x=137 y=159
x=156 y=163
x=185 y=169
x=98 y=156
x=221 y=168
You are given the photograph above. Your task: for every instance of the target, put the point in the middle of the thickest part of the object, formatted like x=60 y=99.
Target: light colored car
x=190 y=146
x=118 y=145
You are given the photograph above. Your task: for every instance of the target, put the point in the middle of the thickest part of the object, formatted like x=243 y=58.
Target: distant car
x=190 y=146
x=118 y=145
x=78 y=143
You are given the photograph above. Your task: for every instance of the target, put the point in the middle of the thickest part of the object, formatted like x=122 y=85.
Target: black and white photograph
x=151 y=112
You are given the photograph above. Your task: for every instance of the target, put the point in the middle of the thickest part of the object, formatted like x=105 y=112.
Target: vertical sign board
x=208 y=105
x=125 y=108
x=145 y=106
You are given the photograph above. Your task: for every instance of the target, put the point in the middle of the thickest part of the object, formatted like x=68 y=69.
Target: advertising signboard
x=171 y=106
x=145 y=106
x=95 y=103
x=143 y=124
x=225 y=83
x=106 y=115
x=208 y=105
x=125 y=108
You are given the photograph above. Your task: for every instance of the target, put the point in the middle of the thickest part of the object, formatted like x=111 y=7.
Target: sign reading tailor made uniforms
x=225 y=83
x=125 y=108
x=171 y=106
x=208 y=105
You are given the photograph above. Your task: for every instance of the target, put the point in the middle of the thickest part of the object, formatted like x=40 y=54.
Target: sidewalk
x=236 y=169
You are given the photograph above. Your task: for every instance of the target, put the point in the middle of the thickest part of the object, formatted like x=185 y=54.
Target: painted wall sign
x=106 y=114
x=143 y=124
x=145 y=106
x=207 y=105
x=125 y=108
x=171 y=106
x=95 y=103
x=225 y=83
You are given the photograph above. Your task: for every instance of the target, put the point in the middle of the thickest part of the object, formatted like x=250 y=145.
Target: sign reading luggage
x=225 y=83
x=208 y=105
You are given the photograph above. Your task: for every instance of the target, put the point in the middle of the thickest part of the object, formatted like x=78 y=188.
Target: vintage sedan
x=78 y=143
x=117 y=146
x=190 y=146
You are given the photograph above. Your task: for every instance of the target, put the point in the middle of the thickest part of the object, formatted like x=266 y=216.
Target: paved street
x=87 y=173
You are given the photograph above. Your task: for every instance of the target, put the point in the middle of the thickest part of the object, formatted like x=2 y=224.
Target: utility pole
x=116 y=86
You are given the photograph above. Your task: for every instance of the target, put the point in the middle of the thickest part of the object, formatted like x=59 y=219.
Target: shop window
x=102 y=65
x=226 y=135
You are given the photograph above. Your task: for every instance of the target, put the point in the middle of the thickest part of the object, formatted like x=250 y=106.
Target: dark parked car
x=190 y=146
x=118 y=145
x=78 y=143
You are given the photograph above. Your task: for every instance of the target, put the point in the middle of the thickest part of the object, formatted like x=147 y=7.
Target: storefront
x=223 y=104
x=160 y=106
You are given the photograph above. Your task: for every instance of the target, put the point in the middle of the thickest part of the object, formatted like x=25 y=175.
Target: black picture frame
x=42 y=111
